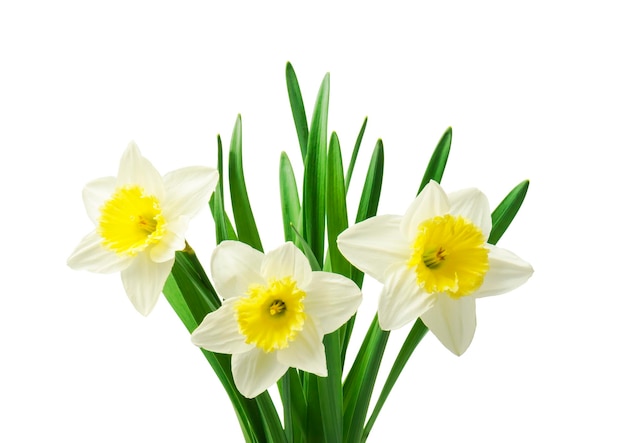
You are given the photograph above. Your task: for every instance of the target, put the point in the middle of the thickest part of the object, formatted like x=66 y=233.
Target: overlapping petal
x=331 y=298
x=401 y=300
x=506 y=272
x=172 y=241
x=374 y=244
x=188 y=190
x=234 y=267
x=473 y=205
x=95 y=193
x=306 y=352
x=431 y=202
x=137 y=170
x=286 y=260
x=453 y=321
x=91 y=256
x=143 y=280
x=219 y=332
x=255 y=371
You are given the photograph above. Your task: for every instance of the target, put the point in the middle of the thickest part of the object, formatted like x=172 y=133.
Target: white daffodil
x=434 y=262
x=275 y=313
x=141 y=219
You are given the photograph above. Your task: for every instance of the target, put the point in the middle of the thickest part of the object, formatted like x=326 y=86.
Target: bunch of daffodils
x=286 y=317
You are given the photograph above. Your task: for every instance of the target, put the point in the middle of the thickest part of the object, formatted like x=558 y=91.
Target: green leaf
x=289 y=198
x=294 y=406
x=330 y=391
x=336 y=211
x=190 y=297
x=370 y=196
x=314 y=428
x=199 y=294
x=437 y=163
x=297 y=109
x=504 y=214
x=418 y=332
x=355 y=153
x=223 y=227
x=358 y=393
x=271 y=421
x=244 y=219
x=314 y=204
x=306 y=249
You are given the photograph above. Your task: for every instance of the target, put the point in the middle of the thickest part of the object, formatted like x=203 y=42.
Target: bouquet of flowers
x=286 y=316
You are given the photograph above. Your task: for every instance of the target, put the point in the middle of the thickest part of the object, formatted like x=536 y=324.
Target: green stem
x=418 y=332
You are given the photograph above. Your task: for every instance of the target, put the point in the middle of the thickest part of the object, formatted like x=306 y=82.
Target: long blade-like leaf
x=504 y=214
x=336 y=211
x=223 y=228
x=370 y=196
x=244 y=219
x=314 y=203
x=355 y=153
x=189 y=296
x=416 y=334
x=289 y=198
x=294 y=406
x=330 y=391
x=437 y=163
x=306 y=249
x=297 y=109
x=360 y=392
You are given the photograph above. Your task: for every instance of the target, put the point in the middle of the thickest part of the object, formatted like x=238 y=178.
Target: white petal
x=234 y=267
x=144 y=281
x=92 y=256
x=506 y=272
x=431 y=202
x=453 y=321
x=287 y=261
x=402 y=300
x=306 y=352
x=375 y=244
x=188 y=190
x=331 y=299
x=473 y=205
x=255 y=371
x=95 y=194
x=219 y=332
x=172 y=241
x=137 y=170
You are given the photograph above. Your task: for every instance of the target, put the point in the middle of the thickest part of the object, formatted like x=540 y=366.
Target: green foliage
x=315 y=408
x=244 y=219
x=437 y=163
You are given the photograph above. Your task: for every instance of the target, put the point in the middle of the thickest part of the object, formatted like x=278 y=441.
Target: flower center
x=130 y=221
x=271 y=316
x=449 y=255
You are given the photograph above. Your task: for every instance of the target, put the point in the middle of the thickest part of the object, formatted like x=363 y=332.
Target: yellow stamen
x=271 y=316
x=449 y=255
x=130 y=221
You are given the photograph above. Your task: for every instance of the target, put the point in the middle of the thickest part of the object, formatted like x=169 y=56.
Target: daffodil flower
x=140 y=220
x=434 y=262
x=275 y=313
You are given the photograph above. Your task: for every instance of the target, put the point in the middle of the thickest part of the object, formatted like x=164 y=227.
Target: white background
x=533 y=90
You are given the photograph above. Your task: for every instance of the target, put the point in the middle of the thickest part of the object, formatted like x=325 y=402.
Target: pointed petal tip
x=132 y=145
